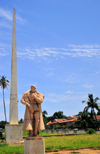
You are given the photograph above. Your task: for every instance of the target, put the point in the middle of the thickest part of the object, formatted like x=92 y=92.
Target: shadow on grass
x=3 y=144
x=95 y=148
x=52 y=149
x=75 y=152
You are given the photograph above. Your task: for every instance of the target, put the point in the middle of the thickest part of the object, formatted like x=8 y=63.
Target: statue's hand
x=33 y=95
x=31 y=109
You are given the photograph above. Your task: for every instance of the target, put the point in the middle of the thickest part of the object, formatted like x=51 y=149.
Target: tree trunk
x=4 y=107
x=94 y=114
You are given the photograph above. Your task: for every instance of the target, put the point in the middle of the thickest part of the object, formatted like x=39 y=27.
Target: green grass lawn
x=72 y=142
x=6 y=149
x=58 y=143
x=40 y=134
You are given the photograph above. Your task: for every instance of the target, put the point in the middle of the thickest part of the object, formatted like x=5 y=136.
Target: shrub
x=47 y=127
x=58 y=127
x=91 y=131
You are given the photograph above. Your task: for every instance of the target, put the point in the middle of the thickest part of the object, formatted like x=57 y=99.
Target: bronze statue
x=33 y=119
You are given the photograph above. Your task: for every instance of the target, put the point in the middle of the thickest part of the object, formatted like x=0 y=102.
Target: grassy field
x=40 y=133
x=58 y=143
x=6 y=149
x=72 y=142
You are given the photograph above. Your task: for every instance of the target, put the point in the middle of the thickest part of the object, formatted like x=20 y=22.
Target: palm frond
x=96 y=99
x=86 y=109
x=97 y=107
x=84 y=101
x=4 y=82
x=7 y=84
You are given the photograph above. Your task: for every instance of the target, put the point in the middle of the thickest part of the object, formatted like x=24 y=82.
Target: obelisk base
x=13 y=133
x=34 y=146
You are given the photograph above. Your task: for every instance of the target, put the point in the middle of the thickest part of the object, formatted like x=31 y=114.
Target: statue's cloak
x=28 y=117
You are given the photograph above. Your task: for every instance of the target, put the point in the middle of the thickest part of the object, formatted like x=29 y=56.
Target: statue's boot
x=36 y=123
x=30 y=133
x=35 y=132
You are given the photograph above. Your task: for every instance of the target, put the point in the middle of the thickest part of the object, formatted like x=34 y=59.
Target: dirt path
x=82 y=151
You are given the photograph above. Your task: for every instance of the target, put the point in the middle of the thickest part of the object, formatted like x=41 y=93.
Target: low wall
x=63 y=131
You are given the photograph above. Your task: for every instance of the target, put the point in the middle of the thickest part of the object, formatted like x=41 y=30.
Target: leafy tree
x=51 y=118
x=82 y=120
x=98 y=113
x=4 y=84
x=80 y=113
x=56 y=115
x=2 y=124
x=85 y=120
x=91 y=103
x=21 y=121
x=88 y=119
x=45 y=118
x=59 y=115
x=44 y=113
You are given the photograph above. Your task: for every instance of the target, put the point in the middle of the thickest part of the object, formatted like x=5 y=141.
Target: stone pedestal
x=14 y=133
x=34 y=146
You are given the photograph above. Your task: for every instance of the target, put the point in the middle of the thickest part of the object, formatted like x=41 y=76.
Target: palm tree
x=44 y=113
x=91 y=103
x=82 y=119
x=4 y=84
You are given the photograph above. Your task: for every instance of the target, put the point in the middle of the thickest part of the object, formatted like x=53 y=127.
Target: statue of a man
x=33 y=119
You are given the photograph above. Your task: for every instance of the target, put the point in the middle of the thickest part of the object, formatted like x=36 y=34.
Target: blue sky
x=58 y=50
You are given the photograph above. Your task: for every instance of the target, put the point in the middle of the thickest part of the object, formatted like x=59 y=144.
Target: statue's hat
x=33 y=86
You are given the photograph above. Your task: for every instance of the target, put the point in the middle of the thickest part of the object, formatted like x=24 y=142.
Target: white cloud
x=50 y=74
x=69 y=92
x=3 y=52
x=4 y=49
x=6 y=14
x=98 y=72
x=88 y=86
x=7 y=101
x=21 y=20
x=2 y=67
x=84 y=46
x=69 y=78
x=48 y=71
x=4 y=24
x=71 y=50
x=70 y=97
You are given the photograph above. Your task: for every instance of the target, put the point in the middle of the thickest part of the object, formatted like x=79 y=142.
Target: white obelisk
x=13 y=89
x=13 y=131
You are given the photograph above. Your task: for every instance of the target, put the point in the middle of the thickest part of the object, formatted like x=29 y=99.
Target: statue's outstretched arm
x=26 y=103
x=23 y=100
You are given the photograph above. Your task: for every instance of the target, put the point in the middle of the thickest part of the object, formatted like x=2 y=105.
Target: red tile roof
x=50 y=123
x=98 y=117
x=69 y=119
x=61 y=120
x=72 y=118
